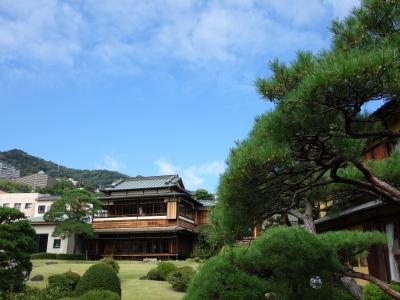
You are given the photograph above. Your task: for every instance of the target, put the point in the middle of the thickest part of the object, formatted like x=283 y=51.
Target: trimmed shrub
x=43 y=255
x=372 y=292
x=99 y=276
x=295 y=263
x=180 y=278
x=164 y=268
x=67 y=280
x=100 y=295
x=70 y=256
x=285 y=261
x=109 y=260
x=55 y=292
x=153 y=274
x=161 y=271
x=221 y=278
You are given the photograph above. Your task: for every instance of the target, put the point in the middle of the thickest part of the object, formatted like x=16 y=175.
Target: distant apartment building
x=40 y=179
x=8 y=171
x=34 y=206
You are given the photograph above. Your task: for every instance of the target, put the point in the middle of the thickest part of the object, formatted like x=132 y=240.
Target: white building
x=34 y=206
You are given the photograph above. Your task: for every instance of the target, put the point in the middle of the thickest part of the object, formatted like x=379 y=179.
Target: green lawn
x=129 y=273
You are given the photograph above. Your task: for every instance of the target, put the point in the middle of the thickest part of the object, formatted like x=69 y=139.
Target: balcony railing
x=106 y=214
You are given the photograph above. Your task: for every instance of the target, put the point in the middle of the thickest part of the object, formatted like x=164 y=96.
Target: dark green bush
x=161 y=271
x=100 y=295
x=99 y=276
x=372 y=292
x=109 y=260
x=55 y=292
x=289 y=258
x=285 y=261
x=70 y=256
x=180 y=278
x=221 y=278
x=153 y=274
x=43 y=256
x=208 y=243
x=67 y=280
x=164 y=268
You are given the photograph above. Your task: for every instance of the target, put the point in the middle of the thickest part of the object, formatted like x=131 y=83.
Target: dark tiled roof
x=208 y=203
x=149 y=182
x=48 y=197
x=353 y=210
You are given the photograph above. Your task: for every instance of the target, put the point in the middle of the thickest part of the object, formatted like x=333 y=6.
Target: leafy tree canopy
x=202 y=194
x=73 y=212
x=16 y=245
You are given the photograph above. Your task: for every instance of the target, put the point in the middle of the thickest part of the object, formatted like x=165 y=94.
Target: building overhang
x=369 y=211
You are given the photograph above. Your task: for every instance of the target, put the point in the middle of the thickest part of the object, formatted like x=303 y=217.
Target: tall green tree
x=17 y=243
x=315 y=137
x=73 y=214
x=203 y=194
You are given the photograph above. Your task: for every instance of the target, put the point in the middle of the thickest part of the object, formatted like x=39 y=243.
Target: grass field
x=129 y=273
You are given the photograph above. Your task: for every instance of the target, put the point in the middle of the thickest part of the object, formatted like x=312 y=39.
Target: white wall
x=66 y=244
x=47 y=203
x=23 y=198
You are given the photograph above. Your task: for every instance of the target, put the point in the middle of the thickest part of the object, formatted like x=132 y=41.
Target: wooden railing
x=110 y=224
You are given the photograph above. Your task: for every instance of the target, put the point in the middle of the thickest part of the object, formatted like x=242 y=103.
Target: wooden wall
x=171 y=210
x=132 y=224
x=202 y=217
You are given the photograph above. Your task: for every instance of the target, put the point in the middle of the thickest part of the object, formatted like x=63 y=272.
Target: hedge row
x=57 y=256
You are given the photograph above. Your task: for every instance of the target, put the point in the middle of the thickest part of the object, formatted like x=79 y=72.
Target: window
x=41 y=209
x=17 y=205
x=185 y=210
x=57 y=243
x=6 y=205
x=28 y=205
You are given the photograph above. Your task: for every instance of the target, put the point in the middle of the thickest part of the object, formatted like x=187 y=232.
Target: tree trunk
x=351 y=285
x=308 y=220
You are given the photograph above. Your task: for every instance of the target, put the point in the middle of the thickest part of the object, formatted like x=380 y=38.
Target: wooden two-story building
x=147 y=217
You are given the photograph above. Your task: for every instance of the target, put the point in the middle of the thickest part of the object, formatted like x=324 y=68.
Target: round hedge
x=109 y=260
x=180 y=278
x=221 y=278
x=164 y=268
x=153 y=274
x=67 y=280
x=99 y=276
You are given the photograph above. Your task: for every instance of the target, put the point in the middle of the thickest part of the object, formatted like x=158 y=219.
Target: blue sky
x=145 y=87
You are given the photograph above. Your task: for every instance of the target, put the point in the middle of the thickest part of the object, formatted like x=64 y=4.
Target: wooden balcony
x=124 y=223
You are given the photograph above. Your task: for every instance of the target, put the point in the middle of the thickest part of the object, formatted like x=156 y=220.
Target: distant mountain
x=29 y=164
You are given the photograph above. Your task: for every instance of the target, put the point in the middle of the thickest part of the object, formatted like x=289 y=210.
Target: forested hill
x=29 y=164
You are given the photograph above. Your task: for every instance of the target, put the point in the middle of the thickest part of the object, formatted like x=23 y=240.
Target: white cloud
x=193 y=176
x=216 y=167
x=342 y=8
x=191 y=179
x=121 y=36
x=110 y=163
x=165 y=168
